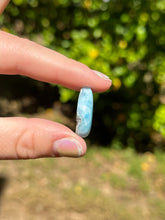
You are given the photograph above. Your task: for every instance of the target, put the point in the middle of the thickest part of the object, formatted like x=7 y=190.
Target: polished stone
x=84 y=112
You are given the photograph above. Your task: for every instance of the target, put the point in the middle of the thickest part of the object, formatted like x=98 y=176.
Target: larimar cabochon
x=84 y=112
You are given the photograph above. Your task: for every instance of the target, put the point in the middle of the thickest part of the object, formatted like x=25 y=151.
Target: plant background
x=123 y=39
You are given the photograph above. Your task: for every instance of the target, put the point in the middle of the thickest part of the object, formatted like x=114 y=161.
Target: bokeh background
x=123 y=174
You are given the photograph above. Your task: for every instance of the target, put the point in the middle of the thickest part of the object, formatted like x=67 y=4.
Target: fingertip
x=82 y=143
x=69 y=147
x=103 y=82
x=84 y=146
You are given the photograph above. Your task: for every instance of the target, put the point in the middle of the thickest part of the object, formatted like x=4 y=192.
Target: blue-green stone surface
x=84 y=112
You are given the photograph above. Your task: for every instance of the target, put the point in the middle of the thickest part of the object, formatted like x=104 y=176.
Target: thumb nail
x=67 y=147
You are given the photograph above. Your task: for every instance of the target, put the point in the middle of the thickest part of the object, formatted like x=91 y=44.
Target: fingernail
x=102 y=75
x=67 y=147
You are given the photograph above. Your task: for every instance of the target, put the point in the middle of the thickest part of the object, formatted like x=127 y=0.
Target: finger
x=23 y=138
x=3 y=4
x=24 y=57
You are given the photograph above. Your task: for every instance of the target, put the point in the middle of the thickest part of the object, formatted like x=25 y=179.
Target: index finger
x=3 y=4
x=24 y=57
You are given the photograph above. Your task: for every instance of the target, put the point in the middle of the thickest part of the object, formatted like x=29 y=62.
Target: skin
x=23 y=138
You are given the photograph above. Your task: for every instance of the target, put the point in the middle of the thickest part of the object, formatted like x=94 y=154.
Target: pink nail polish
x=67 y=147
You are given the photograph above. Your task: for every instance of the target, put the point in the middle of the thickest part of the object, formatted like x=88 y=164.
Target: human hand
x=23 y=138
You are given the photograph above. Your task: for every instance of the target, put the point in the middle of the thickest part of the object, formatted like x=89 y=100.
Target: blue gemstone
x=84 y=112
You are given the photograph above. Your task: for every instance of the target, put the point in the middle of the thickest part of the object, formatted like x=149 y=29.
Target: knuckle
x=25 y=145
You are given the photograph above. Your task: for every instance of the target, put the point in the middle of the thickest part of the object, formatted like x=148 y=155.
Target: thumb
x=23 y=138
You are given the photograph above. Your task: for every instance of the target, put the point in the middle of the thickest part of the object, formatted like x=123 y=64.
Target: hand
x=23 y=138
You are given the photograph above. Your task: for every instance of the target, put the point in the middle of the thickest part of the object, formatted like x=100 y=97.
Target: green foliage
x=159 y=122
x=66 y=94
x=123 y=40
